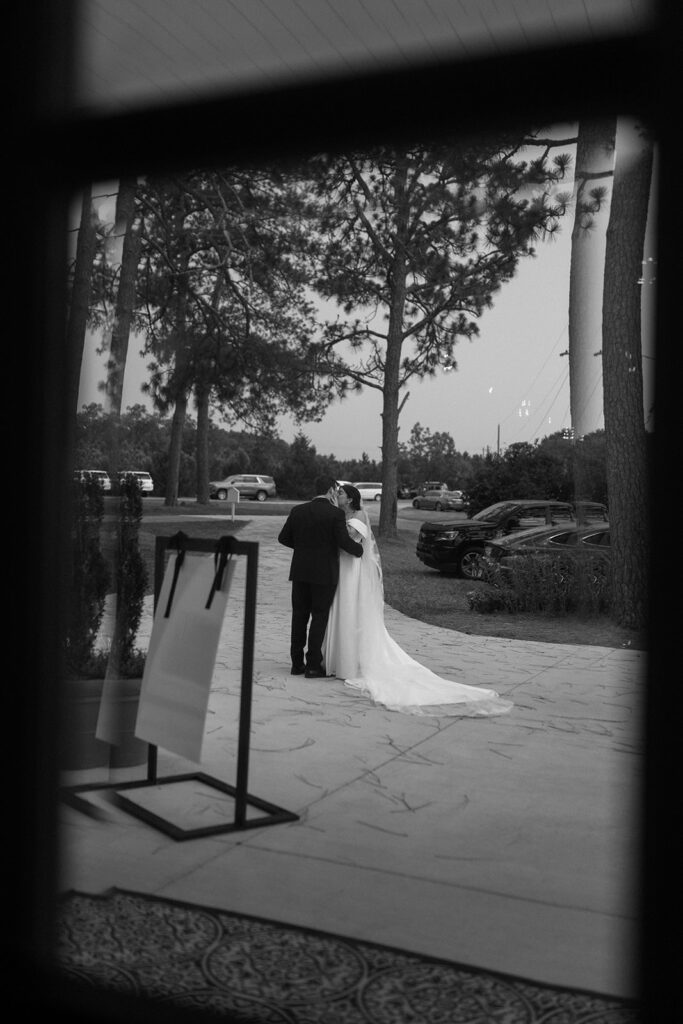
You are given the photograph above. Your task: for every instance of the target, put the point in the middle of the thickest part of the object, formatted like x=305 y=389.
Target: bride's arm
x=357 y=529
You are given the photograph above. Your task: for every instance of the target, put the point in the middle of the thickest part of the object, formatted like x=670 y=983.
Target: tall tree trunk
x=625 y=437
x=175 y=449
x=388 y=509
x=594 y=161
x=129 y=243
x=77 y=321
x=202 y=451
x=126 y=229
x=180 y=377
x=390 y=390
x=202 y=394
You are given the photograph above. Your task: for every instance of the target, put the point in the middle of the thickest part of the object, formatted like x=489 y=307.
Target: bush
x=90 y=578
x=131 y=581
x=491 y=599
x=551 y=585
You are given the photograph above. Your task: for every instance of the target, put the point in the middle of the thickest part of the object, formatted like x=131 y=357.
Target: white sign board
x=182 y=655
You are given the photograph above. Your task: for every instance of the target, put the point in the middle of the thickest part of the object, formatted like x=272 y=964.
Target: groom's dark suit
x=316 y=530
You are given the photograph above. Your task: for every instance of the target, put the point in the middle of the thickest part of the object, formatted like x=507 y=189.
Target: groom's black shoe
x=297 y=670
x=315 y=673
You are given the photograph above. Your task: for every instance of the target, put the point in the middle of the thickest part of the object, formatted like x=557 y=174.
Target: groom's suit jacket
x=316 y=531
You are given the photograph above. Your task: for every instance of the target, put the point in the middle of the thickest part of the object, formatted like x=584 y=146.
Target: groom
x=316 y=530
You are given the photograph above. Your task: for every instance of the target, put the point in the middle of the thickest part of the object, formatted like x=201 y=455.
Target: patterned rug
x=260 y=972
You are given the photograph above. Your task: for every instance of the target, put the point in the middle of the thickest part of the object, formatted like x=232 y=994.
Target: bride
x=358 y=649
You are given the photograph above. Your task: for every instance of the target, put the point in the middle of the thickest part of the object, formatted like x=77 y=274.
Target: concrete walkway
x=507 y=843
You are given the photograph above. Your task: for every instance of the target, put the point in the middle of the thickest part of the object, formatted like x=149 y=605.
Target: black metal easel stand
x=242 y=798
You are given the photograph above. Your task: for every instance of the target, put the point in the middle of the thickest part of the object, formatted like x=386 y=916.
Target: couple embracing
x=338 y=612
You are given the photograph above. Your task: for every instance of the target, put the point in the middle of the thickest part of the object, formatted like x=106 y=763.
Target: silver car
x=251 y=486
x=441 y=501
x=571 y=542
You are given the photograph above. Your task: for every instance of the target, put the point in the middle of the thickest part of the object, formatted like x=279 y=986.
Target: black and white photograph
x=347 y=574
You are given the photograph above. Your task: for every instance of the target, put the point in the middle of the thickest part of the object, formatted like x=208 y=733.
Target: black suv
x=457 y=547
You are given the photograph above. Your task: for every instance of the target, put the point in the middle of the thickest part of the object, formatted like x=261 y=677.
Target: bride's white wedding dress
x=358 y=649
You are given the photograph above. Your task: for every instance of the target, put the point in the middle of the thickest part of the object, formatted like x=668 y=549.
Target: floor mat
x=262 y=972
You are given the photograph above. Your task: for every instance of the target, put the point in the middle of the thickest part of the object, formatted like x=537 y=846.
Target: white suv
x=369 y=491
x=143 y=478
x=94 y=474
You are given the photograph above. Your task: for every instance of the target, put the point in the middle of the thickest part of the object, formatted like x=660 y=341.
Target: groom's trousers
x=310 y=601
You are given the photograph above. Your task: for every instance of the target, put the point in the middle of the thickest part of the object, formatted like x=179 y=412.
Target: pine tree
x=227 y=316
x=414 y=245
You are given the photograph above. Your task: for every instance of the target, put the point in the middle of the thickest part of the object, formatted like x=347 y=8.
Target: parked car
x=369 y=491
x=590 y=512
x=252 y=486
x=441 y=501
x=458 y=547
x=94 y=474
x=143 y=478
x=432 y=485
x=552 y=538
x=587 y=542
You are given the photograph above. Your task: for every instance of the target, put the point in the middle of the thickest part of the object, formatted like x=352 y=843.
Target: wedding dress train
x=358 y=649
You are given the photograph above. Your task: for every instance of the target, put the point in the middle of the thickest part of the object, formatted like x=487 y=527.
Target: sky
x=511 y=383
x=512 y=376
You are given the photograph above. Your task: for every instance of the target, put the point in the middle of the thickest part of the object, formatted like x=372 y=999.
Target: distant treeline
x=555 y=466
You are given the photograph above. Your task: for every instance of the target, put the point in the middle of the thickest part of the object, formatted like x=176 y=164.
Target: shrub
x=551 y=585
x=490 y=599
x=131 y=576
x=90 y=579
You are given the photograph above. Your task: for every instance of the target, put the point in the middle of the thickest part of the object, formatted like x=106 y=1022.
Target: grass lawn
x=422 y=593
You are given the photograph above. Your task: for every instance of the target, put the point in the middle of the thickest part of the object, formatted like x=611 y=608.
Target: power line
x=563 y=331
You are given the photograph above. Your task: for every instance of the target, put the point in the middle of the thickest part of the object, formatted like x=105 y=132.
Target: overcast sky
x=512 y=375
